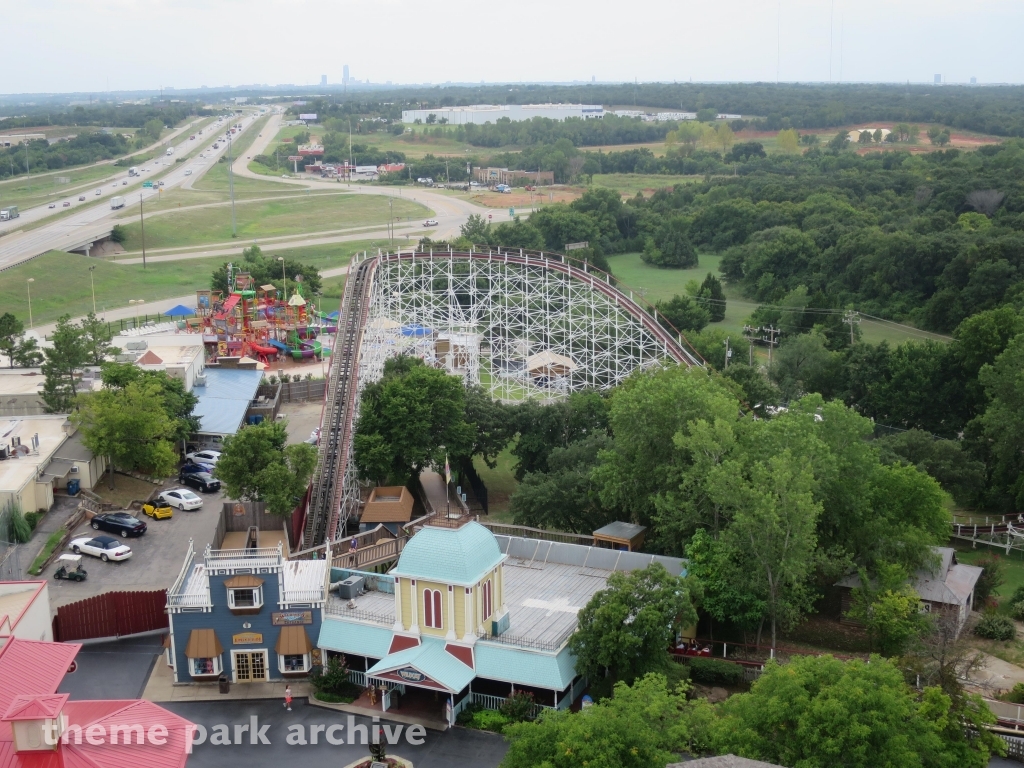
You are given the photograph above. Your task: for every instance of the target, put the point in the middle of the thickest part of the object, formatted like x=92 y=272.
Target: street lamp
x=136 y=303
x=92 y=284
x=284 y=277
x=30 y=281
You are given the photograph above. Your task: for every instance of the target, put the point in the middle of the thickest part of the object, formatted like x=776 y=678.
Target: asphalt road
x=94 y=219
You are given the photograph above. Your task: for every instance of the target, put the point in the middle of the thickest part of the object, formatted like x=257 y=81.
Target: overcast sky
x=96 y=45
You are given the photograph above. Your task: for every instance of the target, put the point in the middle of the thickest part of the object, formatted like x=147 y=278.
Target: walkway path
x=434 y=489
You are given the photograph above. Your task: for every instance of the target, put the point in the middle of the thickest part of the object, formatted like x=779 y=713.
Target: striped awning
x=203 y=644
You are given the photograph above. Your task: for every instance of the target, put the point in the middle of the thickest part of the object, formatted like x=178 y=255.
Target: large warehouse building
x=479 y=114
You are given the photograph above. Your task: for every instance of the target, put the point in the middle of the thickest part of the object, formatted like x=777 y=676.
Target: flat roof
x=225 y=398
x=16 y=472
x=176 y=355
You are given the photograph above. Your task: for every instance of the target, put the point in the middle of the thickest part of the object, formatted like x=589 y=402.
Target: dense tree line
x=100 y=115
x=993 y=110
x=43 y=156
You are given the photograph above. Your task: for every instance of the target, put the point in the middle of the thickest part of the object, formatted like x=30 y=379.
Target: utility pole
x=852 y=318
x=772 y=332
x=231 y=190
x=28 y=171
x=142 y=224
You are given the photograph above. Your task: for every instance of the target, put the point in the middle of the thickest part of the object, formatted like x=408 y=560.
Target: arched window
x=432 y=608
x=488 y=599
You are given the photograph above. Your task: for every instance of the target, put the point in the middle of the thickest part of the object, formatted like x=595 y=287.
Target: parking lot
x=156 y=557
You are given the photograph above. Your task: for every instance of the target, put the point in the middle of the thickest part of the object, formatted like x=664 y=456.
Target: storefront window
x=209 y=666
x=298 y=662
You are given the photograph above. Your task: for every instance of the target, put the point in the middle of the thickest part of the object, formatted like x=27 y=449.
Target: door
x=250 y=666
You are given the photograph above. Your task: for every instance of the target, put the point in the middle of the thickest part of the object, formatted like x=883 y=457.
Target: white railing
x=248 y=557
x=357 y=678
x=188 y=601
x=303 y=595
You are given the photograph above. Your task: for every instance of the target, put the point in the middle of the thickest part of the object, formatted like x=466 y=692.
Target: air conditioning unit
x=350 y=587
x=200 y=381
x=74 y=470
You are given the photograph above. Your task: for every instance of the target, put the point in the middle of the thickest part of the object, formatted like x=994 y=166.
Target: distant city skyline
x=52 y=46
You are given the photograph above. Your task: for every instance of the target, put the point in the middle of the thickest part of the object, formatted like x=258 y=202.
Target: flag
x=447 y=470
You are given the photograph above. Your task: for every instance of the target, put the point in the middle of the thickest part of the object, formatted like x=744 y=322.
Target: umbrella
x=179 y=311
x=296 y=301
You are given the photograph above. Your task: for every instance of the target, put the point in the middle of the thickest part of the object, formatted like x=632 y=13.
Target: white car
x=203 y=457
x=430 y=223
x=181 y=498
x=104 y=547
x=188 y=172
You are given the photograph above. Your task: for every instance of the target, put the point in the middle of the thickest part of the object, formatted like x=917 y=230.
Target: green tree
x=257 y=465
x=129 y=426
x=712 y=295
x=118 y=233
x=804 y=364
x=492 y=422
x=851 y=713
x=178 y=402
x=626 y=629
x=96 y=337
x=773 y=533
x=153 y=128
x=517 y=234
x=24 y=353
x=476 y=229
x=565 y=498
x=889 y=608
x=267 y=270
x=409 y=421
x=1002 y=423
x=646 y=724
x=788 y=141
x=64 y=359
x=683 y=314
x=542 y=428
x=707 y=115
x=670 y=246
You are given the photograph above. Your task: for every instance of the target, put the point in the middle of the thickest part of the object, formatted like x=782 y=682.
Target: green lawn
x=1013 y=569
x=269 y=218
x=62 y=280
x=215 y=181
x=631 y=183
x=656 y=284
x=501 y=484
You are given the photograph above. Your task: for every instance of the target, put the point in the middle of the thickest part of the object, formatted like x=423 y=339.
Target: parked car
x=99 y=191
x=124 y=183
x=201 y=481
x=120 y=523
x=104 y=547
x=158 y=513
x=188 y=172
x=203 y=457
x=67 y=204
x=180 y=498
x=188 y=469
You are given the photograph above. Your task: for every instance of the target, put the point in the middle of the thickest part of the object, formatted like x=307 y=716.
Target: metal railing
x=303 y=595
x=525 y=642
x=382 y=552
x=340 y=608
x=525 y=532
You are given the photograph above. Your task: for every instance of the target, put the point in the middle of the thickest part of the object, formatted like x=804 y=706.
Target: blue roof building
x=466 y=616
x=225 y=395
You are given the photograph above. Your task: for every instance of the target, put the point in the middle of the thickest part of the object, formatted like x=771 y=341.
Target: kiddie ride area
x=259 y=323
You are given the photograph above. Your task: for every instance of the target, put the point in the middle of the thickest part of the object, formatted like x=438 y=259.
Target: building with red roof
x=40 y=728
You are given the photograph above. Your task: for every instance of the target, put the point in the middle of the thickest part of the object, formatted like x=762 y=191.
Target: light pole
x=92 y=285
x=135 y=303
x=29 y=283
x=284 y=278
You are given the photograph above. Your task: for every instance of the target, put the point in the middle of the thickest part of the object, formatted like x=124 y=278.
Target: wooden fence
x=112 y=614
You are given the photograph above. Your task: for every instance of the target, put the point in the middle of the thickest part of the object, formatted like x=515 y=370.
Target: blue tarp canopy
x=179 y=311
x=415 y=330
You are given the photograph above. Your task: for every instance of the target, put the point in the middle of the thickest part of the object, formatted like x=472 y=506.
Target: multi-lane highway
x=95 y=216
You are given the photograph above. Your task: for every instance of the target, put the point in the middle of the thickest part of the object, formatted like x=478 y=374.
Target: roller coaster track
x=323 y=515
x=339 y=403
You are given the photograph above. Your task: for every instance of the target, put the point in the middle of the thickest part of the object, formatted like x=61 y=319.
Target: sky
x=100 y=45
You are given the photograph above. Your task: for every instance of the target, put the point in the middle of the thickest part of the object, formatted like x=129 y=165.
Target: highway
x=72 y=194
x=93 y=219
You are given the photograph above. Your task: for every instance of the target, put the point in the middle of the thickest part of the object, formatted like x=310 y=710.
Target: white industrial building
x=478 y=114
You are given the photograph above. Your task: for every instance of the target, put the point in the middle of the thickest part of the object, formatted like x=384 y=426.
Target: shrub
x=33 y=518
x=991 y=577
x=465 y=717
x=19 y=529
x=1016 y=694
x=489 y=720
x=331 y=679
x=1017 y=610
x=1018 y=596
x=715 y=672
x=993 y=627
x=518 y=707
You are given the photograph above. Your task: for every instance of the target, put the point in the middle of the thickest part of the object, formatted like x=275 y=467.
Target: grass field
x=62 y=280
x=302 y=215
x=215 y=181
x=656 y=284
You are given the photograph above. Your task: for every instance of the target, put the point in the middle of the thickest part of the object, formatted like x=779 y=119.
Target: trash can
x=73 y=486
x=225 y=686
